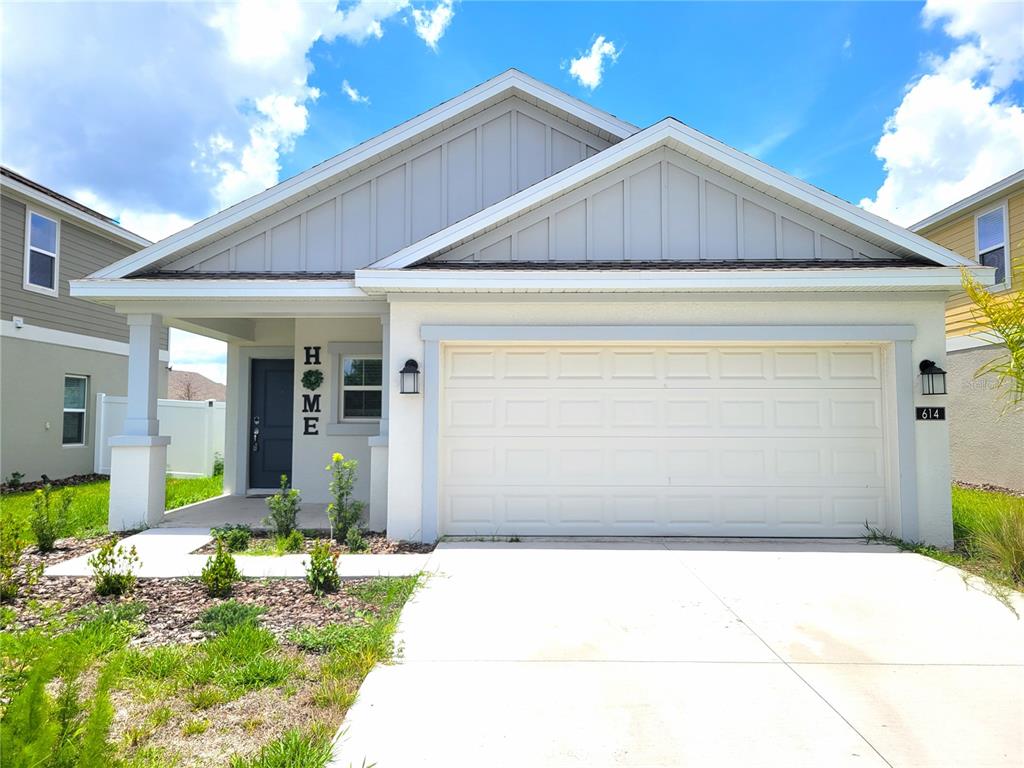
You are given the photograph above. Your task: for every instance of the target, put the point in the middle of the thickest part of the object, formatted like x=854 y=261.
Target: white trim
x=67 y=339
x=84 y=410
x=373 y=281
x=972 y=341
x=90 y=288
x=429 y=520
x=903 y=383
x=1004 y=208
x=113 y=230
x=673 y=134
x=666 y=333
x=971 y=200
x=289 y=191
x=55 y=255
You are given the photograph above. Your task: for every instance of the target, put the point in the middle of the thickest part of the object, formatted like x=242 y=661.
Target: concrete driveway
x=683 y=653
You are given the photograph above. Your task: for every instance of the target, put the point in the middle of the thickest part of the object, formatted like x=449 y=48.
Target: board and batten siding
x=959 y=235
x=81 y=252
x=663 y=206
x=403 y=198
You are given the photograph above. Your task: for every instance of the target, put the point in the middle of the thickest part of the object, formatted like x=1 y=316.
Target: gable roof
x=675 y=135
x=509 y=83
x=979 y=198
x=33 y=190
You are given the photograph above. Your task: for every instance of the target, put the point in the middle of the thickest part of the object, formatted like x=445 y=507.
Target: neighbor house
x=985 y=435
x=56 y=351
x=525 y=316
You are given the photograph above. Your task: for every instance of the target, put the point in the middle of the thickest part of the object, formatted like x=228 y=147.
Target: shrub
x=220 y=572
x=49 y=518
x=235 y=537
x=1002 y=538
x=322 y=569
x=355 y=541
x=343 y=512
x=15 y=479
x=295 y=749
x=293 y=542
x=284 y=508
x=218 y=464
x=113 y=569
x=218 y=619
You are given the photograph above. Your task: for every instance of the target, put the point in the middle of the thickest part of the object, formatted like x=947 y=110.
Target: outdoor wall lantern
x=933 y=378
x=410 y=378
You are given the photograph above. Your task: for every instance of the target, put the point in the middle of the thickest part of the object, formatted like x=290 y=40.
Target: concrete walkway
x=165 y=553
x=676 y=653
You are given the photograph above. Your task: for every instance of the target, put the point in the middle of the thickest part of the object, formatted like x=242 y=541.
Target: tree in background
x=1002 y=320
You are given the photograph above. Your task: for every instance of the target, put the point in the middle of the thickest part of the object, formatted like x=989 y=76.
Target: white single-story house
x=618 y=331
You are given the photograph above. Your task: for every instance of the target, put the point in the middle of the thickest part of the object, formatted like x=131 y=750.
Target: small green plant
x=355 y=541
x=322 y=569
x=235 y=537
x=293 y=542
x=1001 y=537
x=15 y=479
x=312 y=379
x=195 y=727
x=218 y=464
x=220 y=572
x=50 y=515
x=284 y=508
x=343 y=512
x=12 y=546
x=295 y=749
x=113 y=569
x=218 y=619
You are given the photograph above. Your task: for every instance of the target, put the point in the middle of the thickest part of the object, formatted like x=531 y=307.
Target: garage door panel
x=739 y=440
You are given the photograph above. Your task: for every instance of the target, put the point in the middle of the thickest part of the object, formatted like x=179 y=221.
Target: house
x=57 y=351
x=985 y=437
x=525 y=316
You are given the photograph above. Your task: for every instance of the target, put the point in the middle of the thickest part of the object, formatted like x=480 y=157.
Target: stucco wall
x=32 y=389
x=924 y=311
x=986 y=446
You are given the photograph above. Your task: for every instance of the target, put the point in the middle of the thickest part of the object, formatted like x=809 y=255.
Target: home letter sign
x=310 y=403
x=312 y=355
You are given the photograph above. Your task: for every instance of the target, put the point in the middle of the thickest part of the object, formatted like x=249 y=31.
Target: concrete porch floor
x=240 y=510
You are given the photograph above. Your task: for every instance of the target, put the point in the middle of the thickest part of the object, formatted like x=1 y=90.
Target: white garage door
x=672 y=440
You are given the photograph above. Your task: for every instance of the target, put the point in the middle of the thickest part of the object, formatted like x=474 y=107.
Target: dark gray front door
x=270 y=422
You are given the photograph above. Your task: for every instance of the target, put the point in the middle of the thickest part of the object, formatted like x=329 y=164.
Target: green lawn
x=89 y=509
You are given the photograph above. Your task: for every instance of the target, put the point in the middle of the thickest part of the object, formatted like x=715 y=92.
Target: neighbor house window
x=75 y=392
x=991 y=232
x=361 y=388
x=41 y=238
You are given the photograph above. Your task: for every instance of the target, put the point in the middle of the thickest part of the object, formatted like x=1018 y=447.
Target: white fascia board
x=375 y=281
x=139 y=288
x=68 y=211
x=977 y=199
x=43 y=335
x=670 y=132
x=328 y=171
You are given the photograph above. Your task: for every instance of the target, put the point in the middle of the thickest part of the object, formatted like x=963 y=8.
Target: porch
x=240 y=510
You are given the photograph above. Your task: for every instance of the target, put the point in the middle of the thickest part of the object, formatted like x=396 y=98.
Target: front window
x=75 y=393
x=41 y=253
x=991 y=228
x=361 y=388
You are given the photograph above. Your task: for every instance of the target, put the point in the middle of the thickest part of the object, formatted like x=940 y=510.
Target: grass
x=88 y=515
x=67 y=678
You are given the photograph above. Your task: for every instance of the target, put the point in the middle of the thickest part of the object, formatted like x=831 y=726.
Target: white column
x=386 y=374
x=138 y=457
x=378 y=513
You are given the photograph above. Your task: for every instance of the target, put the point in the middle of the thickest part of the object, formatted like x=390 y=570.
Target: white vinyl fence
x=196 y=429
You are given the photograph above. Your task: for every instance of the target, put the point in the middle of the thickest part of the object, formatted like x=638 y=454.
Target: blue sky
x=161 y=114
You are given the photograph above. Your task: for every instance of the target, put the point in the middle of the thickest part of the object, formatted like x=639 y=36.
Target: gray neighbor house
x=56 y=351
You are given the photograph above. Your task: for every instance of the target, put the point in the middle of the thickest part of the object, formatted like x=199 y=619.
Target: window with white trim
x=990 y=228
x=76 y=391
x=361 y=389
x=42 y=236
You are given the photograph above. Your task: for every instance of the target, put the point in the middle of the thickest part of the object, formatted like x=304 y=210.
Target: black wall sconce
x=933 y=378
x=410 y=382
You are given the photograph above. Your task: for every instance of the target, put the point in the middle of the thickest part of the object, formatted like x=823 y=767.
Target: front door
x=270 y=422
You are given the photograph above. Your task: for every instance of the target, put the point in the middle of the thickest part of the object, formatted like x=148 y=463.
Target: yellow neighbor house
x=988 y=226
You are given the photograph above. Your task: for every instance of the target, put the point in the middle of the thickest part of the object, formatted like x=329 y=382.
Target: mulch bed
x=990 y=488
x=64 y=482
x=172 y=606
x=378 y=543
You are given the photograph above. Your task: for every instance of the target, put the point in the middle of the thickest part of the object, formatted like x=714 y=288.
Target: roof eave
x=978 y=199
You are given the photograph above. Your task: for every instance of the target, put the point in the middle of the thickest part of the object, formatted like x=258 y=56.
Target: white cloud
x=154 y=225
x=353 y=94
x=168 y=111
x=431 y=25
x=958 y=128
x=847 y=49
x=191 y=352
x=588 y=68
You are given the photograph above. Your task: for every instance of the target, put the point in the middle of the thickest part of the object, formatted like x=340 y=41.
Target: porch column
x=378 y=512
x=138 y=456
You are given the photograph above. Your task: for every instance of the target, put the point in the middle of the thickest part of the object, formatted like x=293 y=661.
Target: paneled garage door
x=673 y=440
